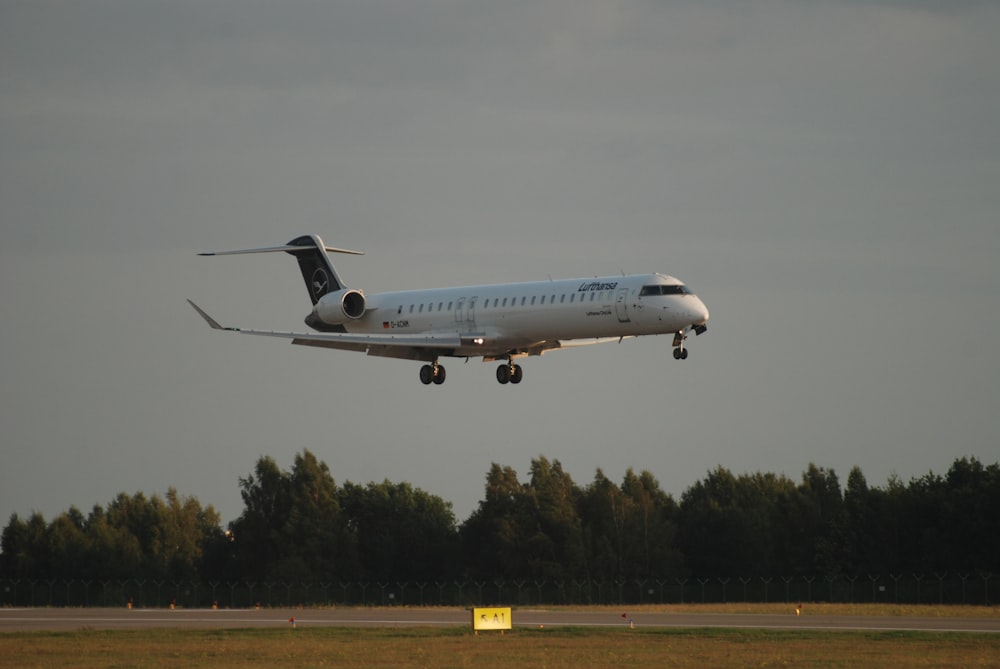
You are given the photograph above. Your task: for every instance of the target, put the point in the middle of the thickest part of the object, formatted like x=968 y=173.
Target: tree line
x=299 y=525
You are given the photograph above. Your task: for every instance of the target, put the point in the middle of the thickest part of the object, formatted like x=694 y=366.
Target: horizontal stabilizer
x=287 y=248
x=310 y=250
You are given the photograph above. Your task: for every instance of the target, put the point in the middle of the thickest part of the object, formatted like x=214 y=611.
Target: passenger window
x=592 y=296
x=421 y=310
x=411 y=308
x=532 y=300
x=522 y=300
x=440 y=305
x=563 y=298
x=449 y=306
x=543 y=299
x=504 y=302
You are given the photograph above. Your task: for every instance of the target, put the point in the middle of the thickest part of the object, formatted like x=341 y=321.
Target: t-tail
x=314 y=263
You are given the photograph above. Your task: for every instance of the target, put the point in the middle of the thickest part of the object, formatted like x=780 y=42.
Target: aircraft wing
x=408 y=346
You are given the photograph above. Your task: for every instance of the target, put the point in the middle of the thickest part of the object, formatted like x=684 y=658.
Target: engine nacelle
x=340 y=306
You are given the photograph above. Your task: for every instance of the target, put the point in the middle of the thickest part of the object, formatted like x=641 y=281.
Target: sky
x=825 y=175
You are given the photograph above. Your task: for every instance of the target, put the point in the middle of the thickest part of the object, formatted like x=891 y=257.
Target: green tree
x=870 y=534
x=737 y=525
x=115 y=550
x=69 y=546
x=25 y=547
x=602 y=514
x=972 y=515
x=554 y=537
x=185 y=530
x=318 y=546
x=494 y=537
x=259 y=534
x=401 y=533
x=650 y=527
x=822 y=523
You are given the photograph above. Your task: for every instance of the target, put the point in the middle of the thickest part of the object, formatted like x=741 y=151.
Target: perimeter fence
x=977 y=588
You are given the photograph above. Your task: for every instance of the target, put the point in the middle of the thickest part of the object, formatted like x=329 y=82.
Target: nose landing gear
x=680 y=353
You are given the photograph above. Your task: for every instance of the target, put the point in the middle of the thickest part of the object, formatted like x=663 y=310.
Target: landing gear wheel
x=503 y=374
x=516 y=374
x=684 y=354
x=677 y=354
x=439 y=376
x=426 y=374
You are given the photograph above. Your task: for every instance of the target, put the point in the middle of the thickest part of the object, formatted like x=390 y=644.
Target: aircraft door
x=621 y=305
x=465 y=313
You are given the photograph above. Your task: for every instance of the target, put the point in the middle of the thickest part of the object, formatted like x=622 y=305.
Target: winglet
x=208 y=319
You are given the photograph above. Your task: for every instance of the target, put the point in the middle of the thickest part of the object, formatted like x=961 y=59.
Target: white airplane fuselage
x=515 y=315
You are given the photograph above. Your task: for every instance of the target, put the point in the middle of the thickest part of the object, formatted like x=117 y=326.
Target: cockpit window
x=679 y=289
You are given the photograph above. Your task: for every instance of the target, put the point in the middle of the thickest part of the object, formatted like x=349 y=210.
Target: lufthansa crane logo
x=320 y=283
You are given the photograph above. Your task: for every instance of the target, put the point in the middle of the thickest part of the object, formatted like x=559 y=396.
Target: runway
x=45 y=619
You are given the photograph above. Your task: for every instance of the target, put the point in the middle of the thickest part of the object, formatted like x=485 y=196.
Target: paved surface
x=77 y=619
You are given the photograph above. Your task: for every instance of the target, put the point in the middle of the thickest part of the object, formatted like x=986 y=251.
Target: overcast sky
x=825 y=175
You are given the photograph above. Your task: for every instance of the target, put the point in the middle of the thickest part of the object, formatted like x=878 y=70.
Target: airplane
x=495 y=322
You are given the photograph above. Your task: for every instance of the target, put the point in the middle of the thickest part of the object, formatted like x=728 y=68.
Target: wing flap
x=541 y=347
x=574 y=343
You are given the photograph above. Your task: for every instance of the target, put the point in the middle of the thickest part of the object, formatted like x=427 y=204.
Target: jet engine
x=340 y=306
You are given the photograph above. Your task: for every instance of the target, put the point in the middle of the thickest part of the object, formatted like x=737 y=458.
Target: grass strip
x=564 y=647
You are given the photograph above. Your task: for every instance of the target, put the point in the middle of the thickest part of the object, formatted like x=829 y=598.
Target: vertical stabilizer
x=317 y=270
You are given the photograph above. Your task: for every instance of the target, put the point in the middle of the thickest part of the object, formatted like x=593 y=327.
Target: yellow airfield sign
x=491 y=619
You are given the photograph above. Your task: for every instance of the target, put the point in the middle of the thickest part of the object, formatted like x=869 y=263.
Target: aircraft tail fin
x=317 y=270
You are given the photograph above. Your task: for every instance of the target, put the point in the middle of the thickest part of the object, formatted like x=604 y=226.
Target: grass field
x=564 y=647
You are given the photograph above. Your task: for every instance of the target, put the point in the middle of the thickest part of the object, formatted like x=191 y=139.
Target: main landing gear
x=432 y=373
x=509 y=373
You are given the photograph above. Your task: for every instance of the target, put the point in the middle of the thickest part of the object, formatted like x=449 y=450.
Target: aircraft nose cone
x=701 y=313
